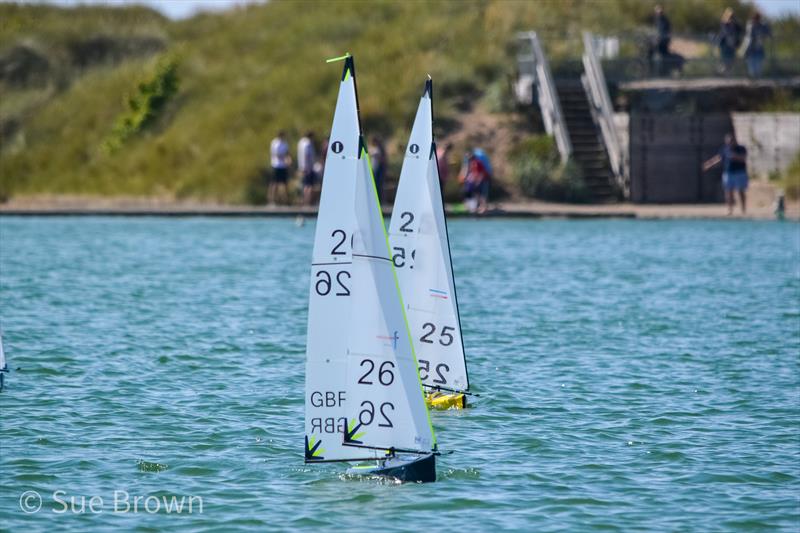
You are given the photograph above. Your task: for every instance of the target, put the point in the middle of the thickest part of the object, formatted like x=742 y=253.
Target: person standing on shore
x=306 y=157
x=755 y=35
x=729 y=38
x=475 y=178
x=280 y=161
x=733 y=157
x=663 y=32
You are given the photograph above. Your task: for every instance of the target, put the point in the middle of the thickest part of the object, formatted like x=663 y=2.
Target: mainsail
x=329 y=304
x=421 y=255
x=385 y=404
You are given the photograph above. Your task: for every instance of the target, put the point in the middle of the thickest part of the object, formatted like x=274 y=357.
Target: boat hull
x=412 y=469
x=444 y=401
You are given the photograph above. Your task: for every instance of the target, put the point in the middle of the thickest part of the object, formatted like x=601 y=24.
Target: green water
x=635 y=376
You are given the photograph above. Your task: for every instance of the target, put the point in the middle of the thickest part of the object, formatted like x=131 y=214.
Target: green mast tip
x=340 y=58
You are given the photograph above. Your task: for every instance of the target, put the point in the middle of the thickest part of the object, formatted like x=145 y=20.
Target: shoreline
x=157 y=208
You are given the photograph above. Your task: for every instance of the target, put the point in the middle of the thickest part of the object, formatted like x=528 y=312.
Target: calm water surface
x=635 y=376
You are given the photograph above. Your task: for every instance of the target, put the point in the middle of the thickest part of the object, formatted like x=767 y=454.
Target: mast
x=3 y=365
x=421 y=253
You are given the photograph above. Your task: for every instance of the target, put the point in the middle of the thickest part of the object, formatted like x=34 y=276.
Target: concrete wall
x=772 y=140
x=667 y=150
x=666 y=155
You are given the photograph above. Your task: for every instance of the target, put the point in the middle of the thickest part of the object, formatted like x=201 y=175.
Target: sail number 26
x=385 y=377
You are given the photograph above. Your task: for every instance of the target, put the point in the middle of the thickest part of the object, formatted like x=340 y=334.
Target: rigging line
x=438 y=387
x=392 y=450
x=354 y=459
x=371 y=256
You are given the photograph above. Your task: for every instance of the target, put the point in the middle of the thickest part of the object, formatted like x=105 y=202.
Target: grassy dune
x=246 y=73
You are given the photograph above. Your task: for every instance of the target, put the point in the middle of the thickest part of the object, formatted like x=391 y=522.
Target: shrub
x=540 y=174
x=790 y=181
x=146 y=104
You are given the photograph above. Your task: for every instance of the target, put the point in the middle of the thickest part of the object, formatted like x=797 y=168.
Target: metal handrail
x=536 y=67
x=594 y=83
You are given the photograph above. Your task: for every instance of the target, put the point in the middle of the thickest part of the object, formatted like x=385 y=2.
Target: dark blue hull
x=414 y=469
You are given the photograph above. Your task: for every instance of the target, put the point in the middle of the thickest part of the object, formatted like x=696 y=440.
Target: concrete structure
x=666 y=155
x=772 y=140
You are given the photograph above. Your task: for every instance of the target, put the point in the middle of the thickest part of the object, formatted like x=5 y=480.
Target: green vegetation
x=146 y=105
x=92 y=104
x=789 y=181
x=539 y=172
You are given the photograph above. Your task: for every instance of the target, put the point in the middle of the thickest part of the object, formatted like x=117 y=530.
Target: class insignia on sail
x=421 y=254
x=364 y=398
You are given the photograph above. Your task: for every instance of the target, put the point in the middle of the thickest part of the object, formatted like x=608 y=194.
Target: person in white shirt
x=280 y=161
x=306 y=159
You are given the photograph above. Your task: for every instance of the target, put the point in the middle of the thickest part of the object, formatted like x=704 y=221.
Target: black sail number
x=441 y=380
x=336 y=250
x=399 y=259
x=426 y=366
x=445 y=336
x=385 y=373
x=324 y=283
x=425 y=338
x=363 y=379
x=368 y=410
x=367 y=414
x=386 y=422
x=408 y=219
x=440 y=369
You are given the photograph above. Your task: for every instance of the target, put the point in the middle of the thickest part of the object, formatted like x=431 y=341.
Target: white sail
x=385 y=404
x=421 y=255
x=331 y=280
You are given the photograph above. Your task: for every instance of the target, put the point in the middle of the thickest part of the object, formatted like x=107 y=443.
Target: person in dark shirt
x=733 y=157
x=754 y=47
x=729 y=39
x=663 y=30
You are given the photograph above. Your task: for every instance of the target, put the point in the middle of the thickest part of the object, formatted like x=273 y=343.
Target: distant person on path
x=306 y=159
x=756 y=33
x=663 y=31
x=280 y=161
x=475 y=178
x=377 y=156
x=483 y=190
x=319 y=166
x=660 y=60
x=728 y=39
x=443 y=162
x=733 y=157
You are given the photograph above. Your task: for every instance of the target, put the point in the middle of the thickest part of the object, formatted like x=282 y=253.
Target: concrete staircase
x=587 y=145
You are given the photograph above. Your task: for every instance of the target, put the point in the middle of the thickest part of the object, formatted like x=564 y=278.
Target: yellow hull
x=444 y=401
